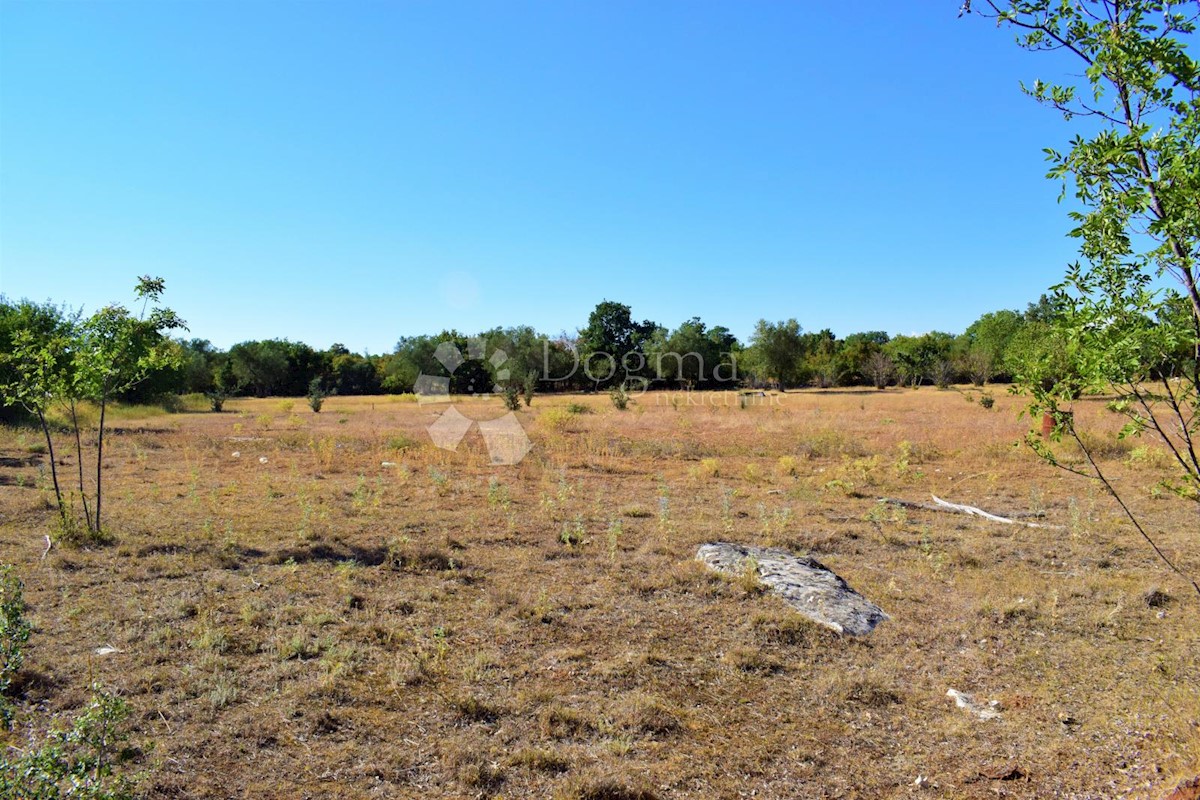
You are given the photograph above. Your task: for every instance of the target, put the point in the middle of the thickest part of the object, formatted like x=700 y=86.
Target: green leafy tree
x=858 y=351
x=693 y=354
x=36 y=370
x=779 y=347
x=112 y=352
x=14 y=634
x=908 y=359
x=351 y=373
x=824 y=363
x=38 y=322
x=83 y=761
x=1136 y=176
x=94 y=359
x=260 y=367
x=612 y=347
x=199 y=363
x=983 y=347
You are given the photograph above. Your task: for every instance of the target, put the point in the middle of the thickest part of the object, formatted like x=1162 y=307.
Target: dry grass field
x=343 y=610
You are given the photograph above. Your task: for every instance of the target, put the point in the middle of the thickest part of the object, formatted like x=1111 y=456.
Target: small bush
x=316 y=395
x=831 y=444
x=14 y=634
x=619 y=397
x=400 y=442
x=78 y=762
x=869 y=693
x=556 y=418
x=572 y=533
x=1107 y=447
x=986 y=400
x=216 y=401
x=512 y=397
x=578 y=408
x=1150 y=456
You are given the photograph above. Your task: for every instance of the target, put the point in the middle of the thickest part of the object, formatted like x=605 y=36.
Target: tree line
x=613 y=349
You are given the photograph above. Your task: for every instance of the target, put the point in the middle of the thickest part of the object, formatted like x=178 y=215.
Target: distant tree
x=224 y=385
x=857 y=351
x=260 y=367
x=780 y=349
x=942 y=372
x=351 y=374
x=908 y=359
x=692 y=355
x=1039 y=354
x=985 y=343
x=880 y=369
x=612 y=346
x=515 y=356
x=199 y=364
x=400 y=370
x=824 y=364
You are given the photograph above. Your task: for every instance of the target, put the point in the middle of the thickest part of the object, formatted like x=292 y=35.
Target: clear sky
x=357 y=171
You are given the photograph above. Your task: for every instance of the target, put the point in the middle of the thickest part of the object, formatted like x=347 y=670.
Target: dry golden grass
x=322 y=625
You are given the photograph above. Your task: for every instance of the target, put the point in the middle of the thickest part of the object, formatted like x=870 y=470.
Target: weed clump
x=80 y=761
x=14 y=634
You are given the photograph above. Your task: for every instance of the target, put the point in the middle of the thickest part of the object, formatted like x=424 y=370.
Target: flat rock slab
x=805 y=584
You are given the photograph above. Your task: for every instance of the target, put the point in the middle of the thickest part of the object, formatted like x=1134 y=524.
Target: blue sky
x=357 y=171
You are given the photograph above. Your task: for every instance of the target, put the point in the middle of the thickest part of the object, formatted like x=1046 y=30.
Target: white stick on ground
x=957 y=508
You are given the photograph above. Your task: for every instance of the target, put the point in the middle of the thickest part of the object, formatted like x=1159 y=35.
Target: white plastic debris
x=237 y=454
x=388 y=464
x=262 y=459
x=106 y=650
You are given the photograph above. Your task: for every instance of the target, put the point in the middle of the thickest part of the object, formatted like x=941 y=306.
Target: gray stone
x=805 y=584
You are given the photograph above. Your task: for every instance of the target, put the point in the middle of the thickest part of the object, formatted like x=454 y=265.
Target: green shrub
x=400 y=442
x=512 y=397
x=216 y=400
x=619 y=397
x=316 y=395
x=578 y=408
x=555 y=418
x=14 y=634
x=572 y=532
x=77 y=762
